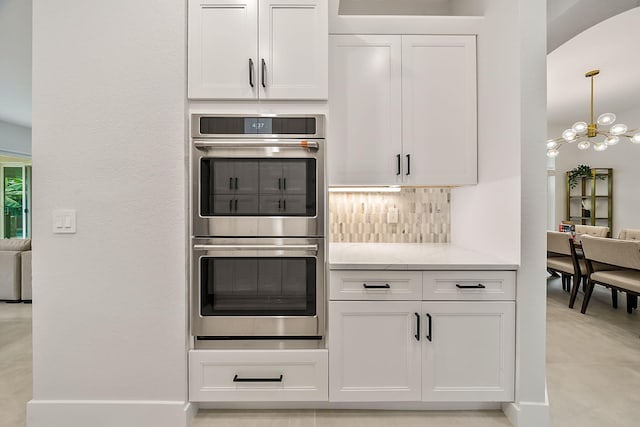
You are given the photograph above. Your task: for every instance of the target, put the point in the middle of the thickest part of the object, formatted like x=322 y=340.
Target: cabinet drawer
x=258 y=375
x=469 y=285
x=375 y=285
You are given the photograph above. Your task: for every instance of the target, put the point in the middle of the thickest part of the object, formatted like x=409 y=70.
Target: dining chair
x=629 y=234
x=613 y=263
x=592 y=230
x=563 y=259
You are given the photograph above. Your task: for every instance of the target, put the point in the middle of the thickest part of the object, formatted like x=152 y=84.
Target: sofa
x=11 y=268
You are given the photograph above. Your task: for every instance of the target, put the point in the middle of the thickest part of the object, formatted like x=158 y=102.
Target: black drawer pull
x=429 y=336
x=385 y=286
x=417 y=335
x=237 y=379
x=478 y=286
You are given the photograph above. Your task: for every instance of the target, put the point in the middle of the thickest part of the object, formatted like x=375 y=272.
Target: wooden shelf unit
x=591 y=201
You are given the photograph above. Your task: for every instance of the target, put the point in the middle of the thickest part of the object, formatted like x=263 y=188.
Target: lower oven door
x=257 y=287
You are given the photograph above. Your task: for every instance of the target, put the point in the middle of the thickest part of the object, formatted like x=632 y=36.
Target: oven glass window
x=258 y=286
x=257 y=187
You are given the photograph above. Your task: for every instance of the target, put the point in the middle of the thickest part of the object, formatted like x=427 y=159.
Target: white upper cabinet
x=223 y=49
x=250 y=49
x=439 y=109
x=365 y=110
x=403 y=110
x=293 y=49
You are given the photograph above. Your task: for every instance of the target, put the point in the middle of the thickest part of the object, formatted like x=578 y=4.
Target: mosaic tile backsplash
x=423 y=215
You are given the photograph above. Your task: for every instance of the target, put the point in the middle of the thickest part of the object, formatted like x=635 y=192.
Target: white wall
x=623 y=158
x=109 y=311
x=15 y=140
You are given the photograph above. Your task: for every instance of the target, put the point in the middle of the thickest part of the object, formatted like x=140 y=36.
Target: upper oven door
x=257 y=187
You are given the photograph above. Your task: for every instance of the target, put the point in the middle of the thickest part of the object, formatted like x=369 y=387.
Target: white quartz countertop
x=411 y=256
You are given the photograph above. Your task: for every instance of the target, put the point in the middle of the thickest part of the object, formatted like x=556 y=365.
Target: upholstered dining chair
x=592 y=230
x=629 y=234
x=613 y=263
x=562 y=258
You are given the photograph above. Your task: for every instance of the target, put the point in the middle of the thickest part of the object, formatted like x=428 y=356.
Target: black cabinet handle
x=264 y=73
x=236 y=183
x=408 y=164
x=230 y=205
x=385 y=286
x=417 y=335
x=284 y=184
x=399 y=165
x=284 y=204
x=429 y=337
x=279 y=183
x=230 y=183
x=478 y=286
x=279 y=204
x=236 y=205
x=250 y=72
x=237 y=379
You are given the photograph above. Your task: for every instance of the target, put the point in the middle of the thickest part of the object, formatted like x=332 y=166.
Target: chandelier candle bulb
x=581 y=130
x=579 y=127
x=618 y=129
x=612 y=140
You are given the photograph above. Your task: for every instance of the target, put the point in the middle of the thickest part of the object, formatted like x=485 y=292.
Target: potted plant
x=578 y=172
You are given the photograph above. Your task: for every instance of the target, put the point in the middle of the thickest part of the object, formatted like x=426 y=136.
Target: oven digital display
x=260 y=125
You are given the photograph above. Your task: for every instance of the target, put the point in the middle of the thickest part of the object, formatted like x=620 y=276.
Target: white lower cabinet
x=468 y=351
x=258 y=375
x=374 y=351
x=432 y=351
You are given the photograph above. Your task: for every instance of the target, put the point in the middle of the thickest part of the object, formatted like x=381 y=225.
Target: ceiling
x=608 y=46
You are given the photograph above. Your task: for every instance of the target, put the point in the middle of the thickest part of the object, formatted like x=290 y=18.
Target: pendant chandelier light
x=582 y=133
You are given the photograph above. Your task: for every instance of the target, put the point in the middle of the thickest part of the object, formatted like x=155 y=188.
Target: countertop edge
x=434 y=266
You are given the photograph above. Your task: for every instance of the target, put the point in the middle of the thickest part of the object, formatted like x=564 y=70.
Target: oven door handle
x=308 y=248
x=303 y=143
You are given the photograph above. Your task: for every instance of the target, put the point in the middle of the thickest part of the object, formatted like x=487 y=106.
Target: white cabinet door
x=293 y=49
x=223 y=49
x=439 y=110
x=365 y=110
x=469 y=355
x=374 y=354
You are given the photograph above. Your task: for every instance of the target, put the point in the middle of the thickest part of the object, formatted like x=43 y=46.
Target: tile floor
x=593 y=376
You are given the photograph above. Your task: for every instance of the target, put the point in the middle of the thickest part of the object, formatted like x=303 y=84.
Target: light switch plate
x=64 y=221
x=392 y=216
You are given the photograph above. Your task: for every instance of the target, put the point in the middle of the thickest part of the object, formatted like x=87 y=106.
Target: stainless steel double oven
x=257 y=209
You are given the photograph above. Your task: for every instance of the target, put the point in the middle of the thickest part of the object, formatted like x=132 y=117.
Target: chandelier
x=582 y=133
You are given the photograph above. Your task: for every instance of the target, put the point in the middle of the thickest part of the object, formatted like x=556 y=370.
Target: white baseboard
x=528 y=414
x=385 y=406
x=106 y=413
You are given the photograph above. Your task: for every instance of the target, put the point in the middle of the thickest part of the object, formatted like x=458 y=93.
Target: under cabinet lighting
x=392 y=189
